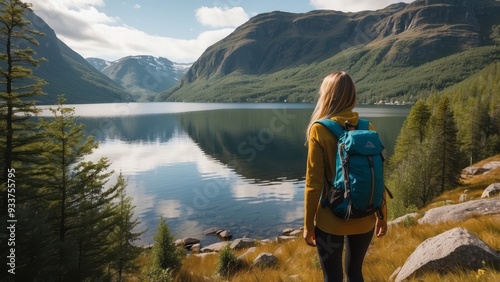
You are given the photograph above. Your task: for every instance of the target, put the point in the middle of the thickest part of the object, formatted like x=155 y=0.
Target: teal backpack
x=357 y=188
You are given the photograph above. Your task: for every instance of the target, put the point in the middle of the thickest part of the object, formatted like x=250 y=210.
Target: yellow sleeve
x=315 y=177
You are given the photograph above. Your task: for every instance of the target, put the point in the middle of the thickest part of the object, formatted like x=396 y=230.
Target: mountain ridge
x=281 y=56
x=143 y=75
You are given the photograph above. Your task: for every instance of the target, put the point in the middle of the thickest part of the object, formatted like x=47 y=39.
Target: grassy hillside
x=375 y=80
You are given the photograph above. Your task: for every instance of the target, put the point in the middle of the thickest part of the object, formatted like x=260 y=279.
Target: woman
x=322 y=229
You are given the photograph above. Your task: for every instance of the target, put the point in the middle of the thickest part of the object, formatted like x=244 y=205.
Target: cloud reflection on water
x=159 y=182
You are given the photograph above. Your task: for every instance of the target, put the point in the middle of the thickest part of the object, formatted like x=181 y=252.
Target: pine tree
x=19 y=140
x=122 y=251
x=165 y=254
x=443 y=136
x=18 y=86
x=473 y=129
x=405 y=166
x=79 y=201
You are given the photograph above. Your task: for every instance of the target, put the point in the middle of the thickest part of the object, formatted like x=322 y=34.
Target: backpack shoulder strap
x=363 y=124
x=334 y=127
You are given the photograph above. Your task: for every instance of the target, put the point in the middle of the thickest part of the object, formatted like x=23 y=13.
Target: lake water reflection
x=236 y=166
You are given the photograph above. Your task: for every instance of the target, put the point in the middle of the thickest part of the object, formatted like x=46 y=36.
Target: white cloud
x=221 y=17
x=137 y=6
x=91 y=33
x=353 y=6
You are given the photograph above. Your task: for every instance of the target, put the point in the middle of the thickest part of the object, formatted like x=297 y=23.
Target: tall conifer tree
x=124 y=234
x=406 y=164
x=19 y=141
x=18 y=85
x=79 y=201
x=443 y=136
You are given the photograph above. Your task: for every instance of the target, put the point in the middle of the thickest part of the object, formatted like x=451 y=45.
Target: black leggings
x=330 y=253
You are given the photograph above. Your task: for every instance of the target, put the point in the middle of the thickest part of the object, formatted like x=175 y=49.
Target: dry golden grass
x=299 y=262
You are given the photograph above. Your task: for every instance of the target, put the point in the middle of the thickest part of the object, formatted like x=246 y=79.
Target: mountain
x=144 y=76
x=69 y=74
x=396 y=53
x=97 y=63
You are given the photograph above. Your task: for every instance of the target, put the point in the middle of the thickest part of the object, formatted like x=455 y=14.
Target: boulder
x=292 y=232
x=287 y=231
x=196 y=248
x=492 y=165
x=249 y=251
x=216 y=247
x=242 y=243
x=265 y=260
x=212 y=230
x=491 y=191
x=447 y=252
x=224 y=235
x=461 y=211
x=186 y=242
x=471 y=170
x=401 y=219
x=281 y=239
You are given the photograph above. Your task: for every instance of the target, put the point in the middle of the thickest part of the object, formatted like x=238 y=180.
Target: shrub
x=228 y=263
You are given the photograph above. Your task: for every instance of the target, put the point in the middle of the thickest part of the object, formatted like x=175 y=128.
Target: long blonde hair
x=336 y=94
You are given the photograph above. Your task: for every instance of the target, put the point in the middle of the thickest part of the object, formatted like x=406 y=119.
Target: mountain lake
x=240 y=167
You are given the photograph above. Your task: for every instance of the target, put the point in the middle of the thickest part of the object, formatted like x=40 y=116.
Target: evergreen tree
x=412 y=132
x=165 y=254
x=17 y=86
x=79 y=201
x=19 y=140
x=444 y=148
x=122 y=250
x=408 y=160
x=473 y=129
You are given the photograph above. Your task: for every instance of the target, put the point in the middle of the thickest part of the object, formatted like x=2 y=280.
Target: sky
x=179 y=30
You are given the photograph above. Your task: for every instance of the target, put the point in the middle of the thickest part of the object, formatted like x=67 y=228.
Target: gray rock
x=281 y=239
x=287 y=231
x=216 y=247
x=492 y=165
x=242 y=243
x=491 y=191
x=403 y=218
x=225 y=234
x=463 y=198
x=249 y=251
x=196 y=248
x=265 y=260
x=471 y=170
x=461 y=211
x=450 y=251
x=296 y=233
x=212 y=230
x=203 y=255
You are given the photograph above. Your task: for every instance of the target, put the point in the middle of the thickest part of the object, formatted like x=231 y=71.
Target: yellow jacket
x=322 y=149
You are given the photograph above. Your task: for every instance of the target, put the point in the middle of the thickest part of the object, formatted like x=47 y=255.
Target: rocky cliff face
x=408 y=34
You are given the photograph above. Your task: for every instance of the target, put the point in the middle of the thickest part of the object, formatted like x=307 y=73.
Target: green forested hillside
x=375 y=81
x=444 y=133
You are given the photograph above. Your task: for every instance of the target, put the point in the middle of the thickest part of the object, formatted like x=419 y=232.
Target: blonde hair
x=336 y=94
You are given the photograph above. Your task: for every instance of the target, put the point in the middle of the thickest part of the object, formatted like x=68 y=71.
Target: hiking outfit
x=328 y=228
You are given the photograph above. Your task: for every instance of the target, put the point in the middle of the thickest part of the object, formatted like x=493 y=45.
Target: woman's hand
x=380 y=227
x=310 y=238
